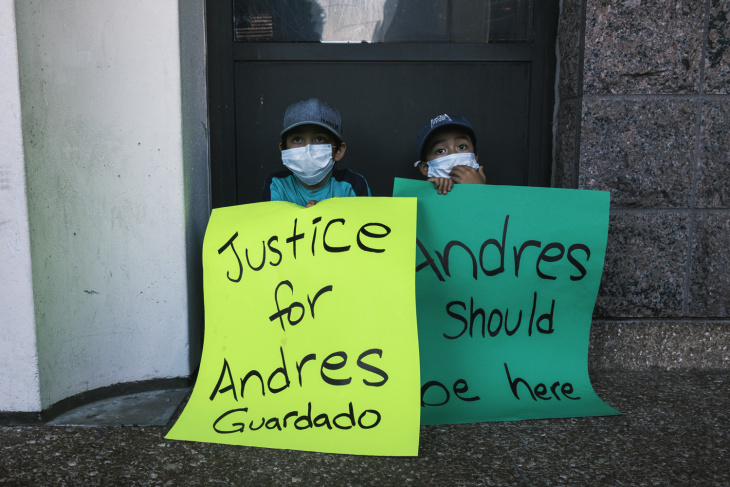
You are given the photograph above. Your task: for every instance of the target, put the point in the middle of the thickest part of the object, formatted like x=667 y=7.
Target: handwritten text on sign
x=311 y=338
x=506 y=281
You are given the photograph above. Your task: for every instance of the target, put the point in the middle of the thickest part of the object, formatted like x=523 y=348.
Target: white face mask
x=310 y=163
x=441 y=167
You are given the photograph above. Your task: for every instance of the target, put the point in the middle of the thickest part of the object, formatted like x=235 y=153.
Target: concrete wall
x=116 y=169
x=196 y=167
x=645 y=114
x=19 y=387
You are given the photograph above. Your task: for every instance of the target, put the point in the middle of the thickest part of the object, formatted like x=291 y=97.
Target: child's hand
x=468 y=175
x=311 y=203
x=442 y=185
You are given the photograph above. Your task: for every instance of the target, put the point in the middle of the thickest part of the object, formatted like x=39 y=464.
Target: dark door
x=490 y=61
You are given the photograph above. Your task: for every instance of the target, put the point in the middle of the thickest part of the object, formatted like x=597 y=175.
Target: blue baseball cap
x=443 y=120
x=315 y=112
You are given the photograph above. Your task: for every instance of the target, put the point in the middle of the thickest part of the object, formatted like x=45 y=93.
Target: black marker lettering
x=362 y=415
x=577 y=264
x=289 y=415
x=473 y=314
x=513 y=384
x=327 y=364
x=230 y=387
x=300 y=365
x=544 y=257
x=349 y=415
x=429 y=261
x=434 y=383
x=500 y=249
x=280 y=370
x=293 y=239
x=546 y=317
x=445 y=258
x=456 y=317
x=252 y=428
x=240 y=265
x=263 y=258
x=274 y=250
x=314 y=236
x=371 y=368
x=322 y=420
x=518 y=255
x=252 y=373
x=307 y=419
x=370 y=234
x=489 y=325
x=316 y=296
x=329 y=248
x=461 y=387
x=273 y=423
x=286 y=311
x=517 y=326
x=239 y=430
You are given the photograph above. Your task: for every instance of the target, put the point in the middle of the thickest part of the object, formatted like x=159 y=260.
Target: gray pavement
x=674 y=433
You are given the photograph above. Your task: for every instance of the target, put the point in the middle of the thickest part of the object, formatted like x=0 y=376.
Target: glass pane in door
x=443 y=21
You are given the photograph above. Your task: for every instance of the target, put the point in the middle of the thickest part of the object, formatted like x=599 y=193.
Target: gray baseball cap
x=442 y=121
x=313 y=111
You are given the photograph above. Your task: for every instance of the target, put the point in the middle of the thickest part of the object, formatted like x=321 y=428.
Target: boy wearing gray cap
x=448 y=150
x=311 y=144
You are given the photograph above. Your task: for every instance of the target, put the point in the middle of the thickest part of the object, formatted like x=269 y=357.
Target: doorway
x=388 y=66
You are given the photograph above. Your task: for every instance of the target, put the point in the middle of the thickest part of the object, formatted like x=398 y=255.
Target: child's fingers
x=468 y=175
x=445 y=185
x=442 y=185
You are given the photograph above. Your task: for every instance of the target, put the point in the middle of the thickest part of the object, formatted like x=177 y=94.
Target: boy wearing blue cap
x=448 y=150
x=311 y=144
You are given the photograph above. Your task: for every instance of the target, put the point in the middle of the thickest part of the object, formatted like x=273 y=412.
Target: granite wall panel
x=565 y=172
x=717 y=52
x=645 y=265
x=637 y=46
x=709 y=288
x=639 y=150
x=713 y=172
x=570 y=44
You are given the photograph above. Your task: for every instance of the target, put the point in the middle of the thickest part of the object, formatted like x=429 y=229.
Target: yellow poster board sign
x=310 y=329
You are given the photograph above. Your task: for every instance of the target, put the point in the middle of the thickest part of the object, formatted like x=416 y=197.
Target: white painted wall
x=112 y=208
x=19 y=388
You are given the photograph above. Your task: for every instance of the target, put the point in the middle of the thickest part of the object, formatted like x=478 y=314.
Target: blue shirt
x=284 y=186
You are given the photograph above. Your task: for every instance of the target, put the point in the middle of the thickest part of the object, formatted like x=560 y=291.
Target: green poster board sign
x=310 y=329
x=506 y=282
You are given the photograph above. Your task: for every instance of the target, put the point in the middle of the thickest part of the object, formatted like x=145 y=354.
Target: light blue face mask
x=442 y=166
x=310 y=163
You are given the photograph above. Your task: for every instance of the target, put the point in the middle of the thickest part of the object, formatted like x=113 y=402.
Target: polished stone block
x=709 y=293
x=636 y=47
x=645 y=265
x=713 y=172
x=639 y=150
x=717 y=56
x=570 y=44
x=565 y=172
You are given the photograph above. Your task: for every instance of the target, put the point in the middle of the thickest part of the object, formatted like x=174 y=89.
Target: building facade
x=104 y=186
